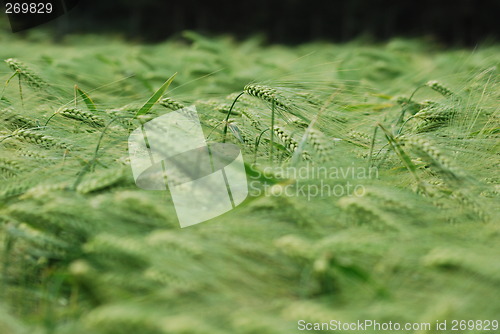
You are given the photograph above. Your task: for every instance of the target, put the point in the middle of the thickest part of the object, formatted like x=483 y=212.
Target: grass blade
x=156 y=97
x=86 y=98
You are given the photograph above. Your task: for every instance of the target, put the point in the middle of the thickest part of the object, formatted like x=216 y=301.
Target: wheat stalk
x=432 y=115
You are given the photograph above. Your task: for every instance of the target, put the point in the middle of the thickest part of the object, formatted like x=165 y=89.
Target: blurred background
x=459 y=22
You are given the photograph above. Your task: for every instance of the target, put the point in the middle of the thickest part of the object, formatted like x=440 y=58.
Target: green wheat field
x=404 y=135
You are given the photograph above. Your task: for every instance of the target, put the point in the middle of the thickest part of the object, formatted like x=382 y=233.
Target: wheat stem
x=272 y=133
x=90 y=165
x=227 y=116
x=372 y=146
x=401 y=153
x=257 y=142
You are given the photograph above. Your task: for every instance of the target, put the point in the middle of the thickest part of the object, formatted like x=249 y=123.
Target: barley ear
x=265 y=93
x=83 y=116
x=440 y=88
x=171 y=104
x=25 y=73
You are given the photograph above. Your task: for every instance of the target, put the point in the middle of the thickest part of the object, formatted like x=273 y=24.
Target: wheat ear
x=81 y=115
x=287 y=140
x=39 y=138
x=171 y=104
x=16 y=120
x=267 y=94
x=31 y=78
x=432 y=154
x=440 y=88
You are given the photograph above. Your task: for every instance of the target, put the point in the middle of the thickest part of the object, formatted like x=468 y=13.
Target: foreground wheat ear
x=171 y=104
x=265 y=93
x=26 y=74
x=82 y=115
x=37 y=137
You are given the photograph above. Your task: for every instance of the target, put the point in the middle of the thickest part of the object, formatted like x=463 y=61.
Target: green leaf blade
x=156 y=97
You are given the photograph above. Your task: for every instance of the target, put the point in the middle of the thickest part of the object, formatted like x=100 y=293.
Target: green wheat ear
x=37 y=137
x=433 y=155
x=171 y=104
x=26 y=74
x=284 y=105
x=14 y=120
x=287 y=140
x=267 y=94
x=10 y=168
x=83 y=116
x=440 y=88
